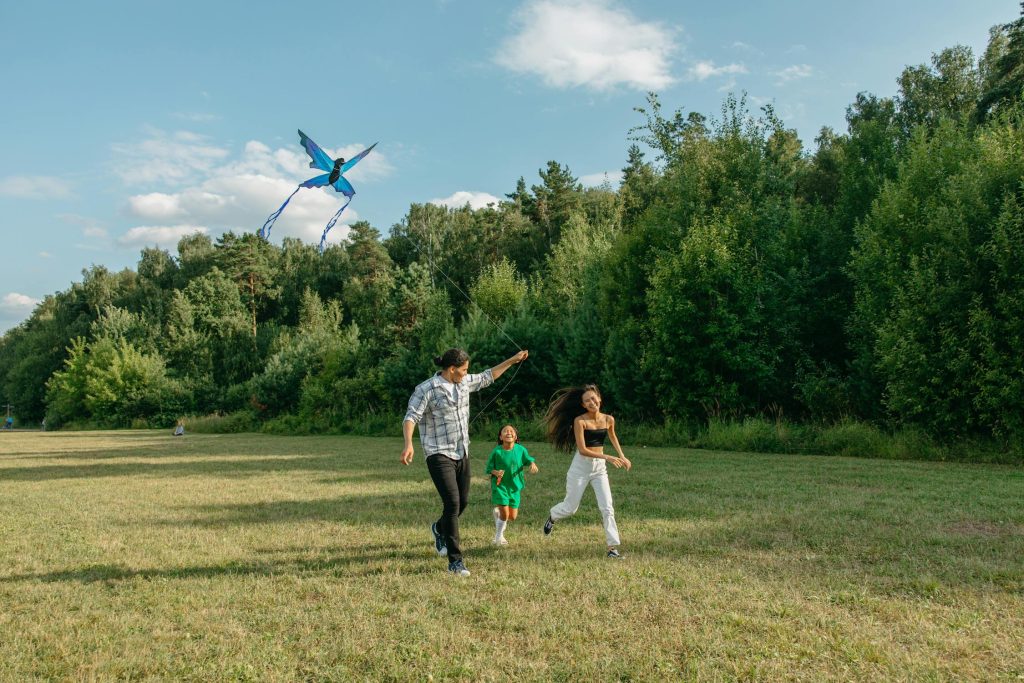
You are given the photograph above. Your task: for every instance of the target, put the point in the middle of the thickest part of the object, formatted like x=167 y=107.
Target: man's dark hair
x=451 y=357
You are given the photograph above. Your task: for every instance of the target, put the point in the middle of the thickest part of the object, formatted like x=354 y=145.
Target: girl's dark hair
x=566 y=406
x=503 y=429
x=451 y=357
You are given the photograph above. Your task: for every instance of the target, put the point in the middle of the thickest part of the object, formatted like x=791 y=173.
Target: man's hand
x=407 y=455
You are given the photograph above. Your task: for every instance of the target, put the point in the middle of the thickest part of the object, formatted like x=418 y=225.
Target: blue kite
x=334 y=177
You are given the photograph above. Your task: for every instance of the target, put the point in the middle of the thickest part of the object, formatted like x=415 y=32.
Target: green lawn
x=135 y=555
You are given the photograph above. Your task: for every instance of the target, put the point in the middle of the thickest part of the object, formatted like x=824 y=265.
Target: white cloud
x=166 y=236
x=45 y=254
x=90 y=227
x=197 y=117
x=745 y=47
x=17 y=303
x=167 y=158
x=590 y=43
x=94 y=231
x=239 y=194
x=157 y=205
x=703 y=70
x=598 y=179
x=792 y=73
x=34 y=187
x=476 y=200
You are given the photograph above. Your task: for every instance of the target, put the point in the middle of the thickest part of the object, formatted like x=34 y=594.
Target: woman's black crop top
x=594 y=437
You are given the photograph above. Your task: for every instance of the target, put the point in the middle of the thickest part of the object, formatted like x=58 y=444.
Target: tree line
x=878 y=275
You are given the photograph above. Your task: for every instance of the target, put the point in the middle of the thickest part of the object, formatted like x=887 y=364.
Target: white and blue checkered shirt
x=441 y=409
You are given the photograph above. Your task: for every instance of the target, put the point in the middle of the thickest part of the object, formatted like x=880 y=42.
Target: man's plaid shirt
x=443 y=421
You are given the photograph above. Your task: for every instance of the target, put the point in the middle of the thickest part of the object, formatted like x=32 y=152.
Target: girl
x=505 y=467
x=585 y=433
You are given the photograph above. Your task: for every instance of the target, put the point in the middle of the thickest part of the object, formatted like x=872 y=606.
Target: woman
x=575 y=422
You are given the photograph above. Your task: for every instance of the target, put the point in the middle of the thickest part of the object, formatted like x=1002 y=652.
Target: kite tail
x=264 y=232
x=323 y=238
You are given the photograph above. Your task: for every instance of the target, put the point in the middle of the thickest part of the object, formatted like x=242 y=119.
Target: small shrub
x=852 y=438
x=232 y=423
x=750 y=434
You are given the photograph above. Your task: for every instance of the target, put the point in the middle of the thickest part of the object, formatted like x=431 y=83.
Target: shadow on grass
x=230 y=466
x=387 y=509
x=354 y=562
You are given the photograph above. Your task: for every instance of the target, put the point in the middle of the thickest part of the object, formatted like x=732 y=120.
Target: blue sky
x=129 y=124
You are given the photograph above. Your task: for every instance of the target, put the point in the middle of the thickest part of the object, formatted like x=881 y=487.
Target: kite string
x=508 y=383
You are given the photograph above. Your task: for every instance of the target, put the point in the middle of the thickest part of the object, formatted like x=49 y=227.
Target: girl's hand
x=498 y=474
x=533 y=468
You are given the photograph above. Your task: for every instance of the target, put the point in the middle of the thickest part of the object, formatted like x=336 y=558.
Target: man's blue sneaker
x=439 y=545
x=458 y=568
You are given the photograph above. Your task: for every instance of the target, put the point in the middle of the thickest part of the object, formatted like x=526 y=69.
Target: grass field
x=138 y=556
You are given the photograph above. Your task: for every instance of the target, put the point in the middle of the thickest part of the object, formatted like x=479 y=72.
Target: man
x=440 y=406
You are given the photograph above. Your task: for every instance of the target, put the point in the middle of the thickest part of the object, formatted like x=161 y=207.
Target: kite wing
x=344 y=186
x=319 y=157
x=353 y=161
x=318 y=181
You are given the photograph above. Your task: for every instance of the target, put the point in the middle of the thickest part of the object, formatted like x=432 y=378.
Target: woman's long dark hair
x=565 y=407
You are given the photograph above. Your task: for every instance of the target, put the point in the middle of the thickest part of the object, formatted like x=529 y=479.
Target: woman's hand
x=616 y=461
x=627 y=463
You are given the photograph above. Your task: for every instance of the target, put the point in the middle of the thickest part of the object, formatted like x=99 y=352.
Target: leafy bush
x=232 y=423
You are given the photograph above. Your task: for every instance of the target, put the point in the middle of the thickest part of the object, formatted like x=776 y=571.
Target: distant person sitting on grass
x=180 y=429
x=505 y=468
x=440 y=406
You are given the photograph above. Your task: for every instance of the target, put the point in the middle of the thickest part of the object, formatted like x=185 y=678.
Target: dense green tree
x=371 y=282
x=925 y=274
x=196 y=256
x=557 y=198
x=250 y=261
x=949 y=88
x=499 y=290
x=1002 y=69
x=637 y=189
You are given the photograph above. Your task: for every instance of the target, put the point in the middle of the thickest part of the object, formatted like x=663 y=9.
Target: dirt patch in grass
x=984 y=529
